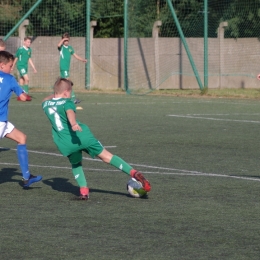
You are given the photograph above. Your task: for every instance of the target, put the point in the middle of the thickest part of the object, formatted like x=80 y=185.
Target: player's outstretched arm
x=62 y=41
x=79 y=58
x=31 y=63
x=72 y=119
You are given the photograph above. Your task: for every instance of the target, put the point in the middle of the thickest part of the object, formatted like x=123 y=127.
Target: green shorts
x=22 y=71
x=64 y=74
x=93 y=150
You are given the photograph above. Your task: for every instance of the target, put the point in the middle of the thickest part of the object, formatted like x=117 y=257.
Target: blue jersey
x=8 y=85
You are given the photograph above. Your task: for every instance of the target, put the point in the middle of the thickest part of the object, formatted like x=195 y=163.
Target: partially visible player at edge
x=66 y=51
x=22 y=57
x=72 y=137
x=8 y=85
x=2 y=45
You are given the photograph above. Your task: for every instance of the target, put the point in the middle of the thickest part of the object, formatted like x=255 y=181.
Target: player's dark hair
x=65 y=35
x=6 y=57
x=27 y=38
x=61 y=85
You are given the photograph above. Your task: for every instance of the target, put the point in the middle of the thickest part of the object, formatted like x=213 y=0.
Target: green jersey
x=67 y=140
x=23 y=54
x=65 y=56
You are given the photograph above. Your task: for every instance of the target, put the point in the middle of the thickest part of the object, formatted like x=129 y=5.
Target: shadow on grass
x=7 y=174
x=116 y=193
x=108 y=192
x=4 y=149
x=63 y=185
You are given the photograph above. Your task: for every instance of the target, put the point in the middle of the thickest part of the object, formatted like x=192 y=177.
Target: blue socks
x=22 y=155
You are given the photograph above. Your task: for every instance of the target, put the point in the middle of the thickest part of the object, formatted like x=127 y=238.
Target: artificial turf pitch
x=201 y=156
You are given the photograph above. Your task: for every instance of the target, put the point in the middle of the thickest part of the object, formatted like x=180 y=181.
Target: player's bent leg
x=22 y=155
x=105 y=156
x=17 y=136
x=21 y=81
x=26 y=86
x=26 y=79
x=80 y=178
x=120 y=164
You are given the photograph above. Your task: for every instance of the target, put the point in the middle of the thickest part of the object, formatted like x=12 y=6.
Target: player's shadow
x=116 y=193
x=63 y=185
x=107 y=191
x=4 y=149
x=7 y=174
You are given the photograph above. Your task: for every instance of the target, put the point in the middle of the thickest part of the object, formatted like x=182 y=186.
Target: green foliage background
x=53 y=17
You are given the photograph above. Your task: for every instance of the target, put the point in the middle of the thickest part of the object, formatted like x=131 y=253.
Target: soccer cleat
x=84 y=193
x=77 y=101
x=28 y=98
x=32 y=179
x=139 y=177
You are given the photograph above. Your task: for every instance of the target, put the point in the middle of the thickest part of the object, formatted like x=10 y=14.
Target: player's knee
x=105 y=156
x=105 y=159
x=76 y=165
x=22 y=138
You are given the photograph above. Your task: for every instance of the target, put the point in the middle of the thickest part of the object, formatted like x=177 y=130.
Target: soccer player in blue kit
x=8 y=85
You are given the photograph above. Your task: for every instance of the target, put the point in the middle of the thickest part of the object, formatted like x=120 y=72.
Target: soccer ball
x=135 y=188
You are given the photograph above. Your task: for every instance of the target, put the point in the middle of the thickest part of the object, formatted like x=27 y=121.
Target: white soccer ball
x=135 y=188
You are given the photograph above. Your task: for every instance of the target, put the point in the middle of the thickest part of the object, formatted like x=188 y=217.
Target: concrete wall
x=151 y=61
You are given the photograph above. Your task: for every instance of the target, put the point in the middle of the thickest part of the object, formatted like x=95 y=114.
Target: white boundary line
x=217 y=119
x=166 y=171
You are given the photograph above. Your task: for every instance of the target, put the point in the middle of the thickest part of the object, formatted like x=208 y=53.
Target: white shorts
x=5 y=128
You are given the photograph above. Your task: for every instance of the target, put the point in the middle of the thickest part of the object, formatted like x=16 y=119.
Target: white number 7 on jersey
x=53 y=110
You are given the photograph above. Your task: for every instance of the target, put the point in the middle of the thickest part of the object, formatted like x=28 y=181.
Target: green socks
x=79 y=175
x=121 y=164
x=115 y=161
x=26 y=89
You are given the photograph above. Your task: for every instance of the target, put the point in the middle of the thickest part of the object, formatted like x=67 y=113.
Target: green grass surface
x=201 y=156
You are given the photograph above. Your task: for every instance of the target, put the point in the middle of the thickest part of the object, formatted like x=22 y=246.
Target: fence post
x=221 y=30
x=156 y=28
x=21 y=31
x=92 y=25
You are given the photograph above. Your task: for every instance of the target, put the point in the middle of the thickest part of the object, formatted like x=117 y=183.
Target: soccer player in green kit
x=72 y=137
x=22 y=57
x=66 y=51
